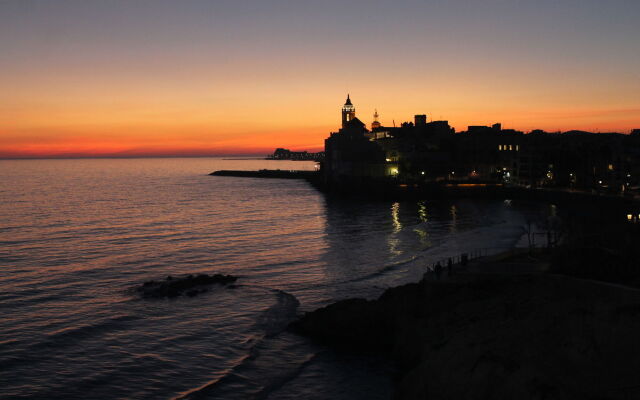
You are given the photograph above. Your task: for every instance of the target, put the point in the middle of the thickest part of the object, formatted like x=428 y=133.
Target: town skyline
x=255 y=151
x=89 y=79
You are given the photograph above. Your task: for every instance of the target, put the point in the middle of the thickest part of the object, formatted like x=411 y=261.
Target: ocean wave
x=276 y=318
x=270 y=363
x=386 y=269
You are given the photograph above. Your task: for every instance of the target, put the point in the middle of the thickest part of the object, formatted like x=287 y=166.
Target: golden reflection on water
x=393 y=241
x=422 y=211
x=422 y=233
x=395 y=211
x=454 y=216
x=423 y=237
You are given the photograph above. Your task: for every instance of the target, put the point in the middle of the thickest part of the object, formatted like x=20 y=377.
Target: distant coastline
x=245 y=159
x=286 y=154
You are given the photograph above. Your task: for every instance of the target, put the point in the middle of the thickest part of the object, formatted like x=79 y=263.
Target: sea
x=77 y=236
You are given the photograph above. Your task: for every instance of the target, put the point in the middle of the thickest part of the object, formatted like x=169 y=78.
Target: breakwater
x=268 y=173
x=392 y=189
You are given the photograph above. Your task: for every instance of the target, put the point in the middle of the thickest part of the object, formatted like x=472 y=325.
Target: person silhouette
x=438 y=270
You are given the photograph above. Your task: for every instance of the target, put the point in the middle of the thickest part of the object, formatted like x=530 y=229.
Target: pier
x=269 y=173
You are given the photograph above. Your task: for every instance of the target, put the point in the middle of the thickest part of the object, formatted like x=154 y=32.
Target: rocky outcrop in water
x=191 y=285
x=496 y=336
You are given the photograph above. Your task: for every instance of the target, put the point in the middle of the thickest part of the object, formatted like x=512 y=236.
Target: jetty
x=269 y=173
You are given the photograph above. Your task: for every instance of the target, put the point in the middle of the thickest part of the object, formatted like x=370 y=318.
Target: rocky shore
x=501 y=329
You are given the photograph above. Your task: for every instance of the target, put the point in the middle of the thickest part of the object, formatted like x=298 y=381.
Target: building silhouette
x=424 y=151
x=375 y=124
x=348 y=112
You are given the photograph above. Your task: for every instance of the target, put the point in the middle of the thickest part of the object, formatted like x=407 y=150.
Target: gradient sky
x=195 y=77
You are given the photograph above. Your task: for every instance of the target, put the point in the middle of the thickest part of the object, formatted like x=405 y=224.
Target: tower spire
x=375 y=124
x=348 y=111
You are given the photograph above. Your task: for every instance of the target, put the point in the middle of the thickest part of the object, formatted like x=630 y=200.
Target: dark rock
x=190 y=285
x=495 y=337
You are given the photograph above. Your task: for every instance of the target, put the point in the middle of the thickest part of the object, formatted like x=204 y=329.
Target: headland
x=504 y=327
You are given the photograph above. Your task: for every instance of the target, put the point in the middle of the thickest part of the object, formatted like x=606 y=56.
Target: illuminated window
x=499 y=147
x=517 y=148
x=610 y=167
x=510 y=147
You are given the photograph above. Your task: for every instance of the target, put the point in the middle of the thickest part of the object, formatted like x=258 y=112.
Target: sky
x=215 y=77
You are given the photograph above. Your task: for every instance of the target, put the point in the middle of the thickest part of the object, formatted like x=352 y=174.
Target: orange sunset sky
x=122 y=78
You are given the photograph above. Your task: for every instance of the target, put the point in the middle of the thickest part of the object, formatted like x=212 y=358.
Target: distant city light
x=422 y=172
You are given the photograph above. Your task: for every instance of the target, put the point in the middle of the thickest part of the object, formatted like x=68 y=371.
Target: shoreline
x=501 y=328
x=622 y=206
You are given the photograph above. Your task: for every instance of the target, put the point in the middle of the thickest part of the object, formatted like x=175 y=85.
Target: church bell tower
x=375 y=124
x=348 y=112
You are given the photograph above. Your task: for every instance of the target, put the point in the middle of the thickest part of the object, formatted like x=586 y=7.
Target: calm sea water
x=77 y=235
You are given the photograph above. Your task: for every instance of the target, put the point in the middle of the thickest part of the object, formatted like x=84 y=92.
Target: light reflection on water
x=76 y=235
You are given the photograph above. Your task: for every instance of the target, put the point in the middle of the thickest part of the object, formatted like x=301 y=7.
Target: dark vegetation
x=189 y=286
